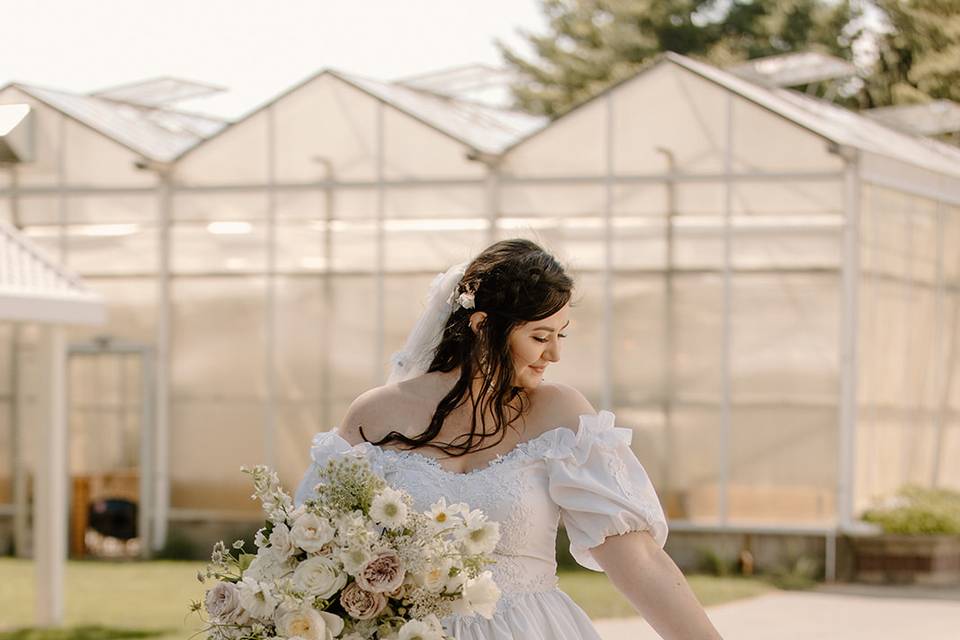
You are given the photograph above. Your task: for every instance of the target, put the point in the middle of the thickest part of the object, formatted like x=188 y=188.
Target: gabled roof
x=33 y=288
x=486 y=128
x=829 y=121
x=156 y=134
x=481 y=127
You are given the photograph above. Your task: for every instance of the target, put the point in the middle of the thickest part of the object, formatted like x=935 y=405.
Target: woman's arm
x=654 y=585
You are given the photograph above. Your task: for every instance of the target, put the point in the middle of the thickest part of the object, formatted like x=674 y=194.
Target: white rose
x=281 y=543
x=310 y=532
x=319 y=576
x=268 y=566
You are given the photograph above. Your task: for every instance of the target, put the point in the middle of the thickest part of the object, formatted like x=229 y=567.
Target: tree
x=592 y=44
x=918 y=54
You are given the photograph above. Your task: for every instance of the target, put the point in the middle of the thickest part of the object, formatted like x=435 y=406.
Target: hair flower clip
x=465 y=300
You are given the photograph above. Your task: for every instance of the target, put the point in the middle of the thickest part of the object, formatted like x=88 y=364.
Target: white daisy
x=389 y=509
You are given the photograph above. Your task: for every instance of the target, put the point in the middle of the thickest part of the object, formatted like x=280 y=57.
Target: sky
x=253 y=48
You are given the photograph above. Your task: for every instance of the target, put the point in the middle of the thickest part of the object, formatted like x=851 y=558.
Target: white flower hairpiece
x=465 y=300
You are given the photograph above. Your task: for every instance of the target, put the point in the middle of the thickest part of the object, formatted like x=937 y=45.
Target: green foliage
x=564 y=558
x=918 y=54
x=712 y=563
x=87 y=632
x=918 y=510
x=178 y=546
x=592 y=44
x=800 y=573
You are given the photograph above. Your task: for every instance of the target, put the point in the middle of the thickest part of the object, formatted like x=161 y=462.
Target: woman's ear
x=476 y=319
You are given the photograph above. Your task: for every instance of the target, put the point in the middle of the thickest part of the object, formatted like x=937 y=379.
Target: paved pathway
x=841 y=612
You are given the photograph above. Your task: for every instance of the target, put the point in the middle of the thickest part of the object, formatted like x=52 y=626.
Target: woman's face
x=535 y=345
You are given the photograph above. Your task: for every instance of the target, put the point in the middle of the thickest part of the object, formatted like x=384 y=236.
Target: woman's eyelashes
x=559 y=335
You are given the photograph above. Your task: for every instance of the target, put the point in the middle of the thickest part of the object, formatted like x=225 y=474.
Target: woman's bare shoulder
x=368 y=410
x=383 y=409
x=559 y=405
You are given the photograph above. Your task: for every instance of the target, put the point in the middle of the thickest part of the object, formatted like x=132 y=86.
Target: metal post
x=270 y=303
x=669 y=335
x=50 y=506
x=945 y=366
x=908 y=425
x=725 y=399
x=379 y=304
x=606 y=349
x=18 y=453
x=62 y=207
x=492 y=186
x=147 y=437
x=849 y=308
x=161 y=461
x=326 y=293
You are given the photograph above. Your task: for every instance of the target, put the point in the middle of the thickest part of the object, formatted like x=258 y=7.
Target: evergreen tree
x=918 y=54
x=592 y=44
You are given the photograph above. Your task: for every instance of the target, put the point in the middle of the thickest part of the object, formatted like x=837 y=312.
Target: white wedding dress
x=590 y=478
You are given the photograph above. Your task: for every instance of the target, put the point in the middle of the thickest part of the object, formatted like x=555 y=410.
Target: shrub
x=916 y=510
x=178 y=546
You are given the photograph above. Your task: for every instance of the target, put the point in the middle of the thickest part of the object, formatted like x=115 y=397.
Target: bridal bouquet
x=356 y=562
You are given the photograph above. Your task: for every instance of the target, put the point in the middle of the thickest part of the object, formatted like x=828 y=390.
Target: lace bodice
x=590 y=479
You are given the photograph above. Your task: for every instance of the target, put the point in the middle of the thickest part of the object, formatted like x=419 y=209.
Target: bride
x=466 y=415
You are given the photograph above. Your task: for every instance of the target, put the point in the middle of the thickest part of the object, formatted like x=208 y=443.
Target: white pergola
x=34 y=289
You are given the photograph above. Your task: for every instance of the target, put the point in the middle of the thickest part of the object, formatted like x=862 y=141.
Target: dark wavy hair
x=514 y=281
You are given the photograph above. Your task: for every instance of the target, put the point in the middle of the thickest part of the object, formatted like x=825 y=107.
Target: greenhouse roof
x=483 y=127
x=834 y=123
x=34 y=288
x=157 y=134
x=928 y=119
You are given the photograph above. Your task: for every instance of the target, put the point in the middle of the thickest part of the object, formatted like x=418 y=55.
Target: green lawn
x=148 y=597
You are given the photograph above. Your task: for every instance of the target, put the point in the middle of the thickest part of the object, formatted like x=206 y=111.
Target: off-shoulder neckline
x=434 y=462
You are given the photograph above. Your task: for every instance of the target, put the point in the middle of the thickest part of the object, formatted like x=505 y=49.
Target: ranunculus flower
x=389 y=509
x=383 y=574
x=310 y=532
x=354 y=558
x=361 y=604
x=319 y=576
x=479 y=536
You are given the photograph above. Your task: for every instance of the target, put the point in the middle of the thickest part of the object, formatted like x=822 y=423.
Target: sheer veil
x=421 y=345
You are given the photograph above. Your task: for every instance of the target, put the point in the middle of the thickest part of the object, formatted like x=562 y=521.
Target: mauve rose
x=383 y=574
x=361 y=604
x=223 y=602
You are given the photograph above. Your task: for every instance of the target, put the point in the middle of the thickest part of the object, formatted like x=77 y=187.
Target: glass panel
x=217 y=390
x=237 y=246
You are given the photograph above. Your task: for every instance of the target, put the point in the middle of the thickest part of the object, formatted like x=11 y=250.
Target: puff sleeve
x=324 y=446
x=600 y=486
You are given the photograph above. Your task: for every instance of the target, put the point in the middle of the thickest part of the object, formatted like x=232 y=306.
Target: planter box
x=907 y=559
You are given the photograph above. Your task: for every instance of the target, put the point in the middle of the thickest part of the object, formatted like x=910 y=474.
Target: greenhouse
x=767 y=284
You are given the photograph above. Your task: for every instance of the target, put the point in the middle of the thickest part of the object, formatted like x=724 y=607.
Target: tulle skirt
x=537 y=615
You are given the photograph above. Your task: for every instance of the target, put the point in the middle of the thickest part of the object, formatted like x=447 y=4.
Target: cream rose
x=361 y=604
x=310 y=532
x=318 y=576
x=309 y=624
x=383 y=574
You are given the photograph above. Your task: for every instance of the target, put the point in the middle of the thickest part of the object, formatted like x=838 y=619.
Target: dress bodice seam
x=517 y=451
